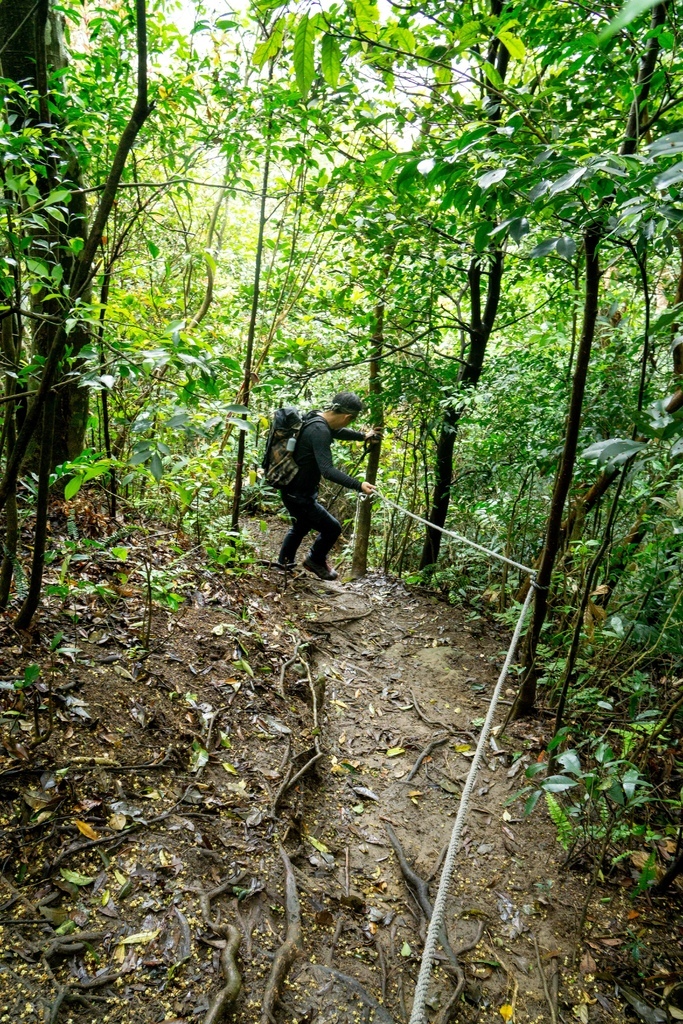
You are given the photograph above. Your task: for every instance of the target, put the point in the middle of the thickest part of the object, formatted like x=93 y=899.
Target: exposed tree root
x=315 y=753
x=436 y=742
x=420 y=890
x=226 y=997
x=450 y=1007
x=354 y=988
x=283 y=670
x=290 y=948
x=546 y=991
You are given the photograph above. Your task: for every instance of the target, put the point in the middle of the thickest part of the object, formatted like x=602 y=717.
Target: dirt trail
x=119 y=858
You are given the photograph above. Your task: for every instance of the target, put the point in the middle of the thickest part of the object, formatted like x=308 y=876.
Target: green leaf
x=493 y=76
x=75 y=877
x=73 y=487
x=156 y=467
x=667 y=145
x=198 y=757
x=514 y=46
x=628 y=12
x=570 y=762
x=367 y=16
x=331 y=60
x=615 y=450
x=567 y=180
x=303 y=56
x=121 y=553
x=557 y=784
x=543 y=248
x=491 y=177
x=406 y=950
x=154 y=249
x=31 y=673
x=270 y=48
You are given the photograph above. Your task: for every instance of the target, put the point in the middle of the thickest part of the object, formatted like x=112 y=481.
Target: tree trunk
x=27 y=610
x=245 y=391
x=360 y=549
x=81 y=277
x=480 y=330
x=9 y=435
x=585 y=503
x=526 y=697
x=34 y=49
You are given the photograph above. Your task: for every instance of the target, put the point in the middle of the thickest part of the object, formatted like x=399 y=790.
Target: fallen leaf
x=588 y=964
x=320 y=847
x=395 y=751
x=230 y=768
x=406 y=950
x=117 y=821
x=75 y=877
x=86 y=829
x=506 y=1012
x=460 y=748
x=140 y=938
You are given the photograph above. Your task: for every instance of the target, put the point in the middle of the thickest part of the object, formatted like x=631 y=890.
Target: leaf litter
x=158 y=866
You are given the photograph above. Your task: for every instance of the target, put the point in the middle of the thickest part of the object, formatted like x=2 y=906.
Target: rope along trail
x=418 y=1014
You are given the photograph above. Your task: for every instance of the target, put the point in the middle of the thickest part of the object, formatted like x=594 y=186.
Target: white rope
x=436 y=924
x=418 y=1015
x=456 y=536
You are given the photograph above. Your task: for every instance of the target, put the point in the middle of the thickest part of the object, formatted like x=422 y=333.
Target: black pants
x=308 y=514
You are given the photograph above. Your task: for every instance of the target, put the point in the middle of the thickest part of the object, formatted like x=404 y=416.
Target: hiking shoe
x=322 y=571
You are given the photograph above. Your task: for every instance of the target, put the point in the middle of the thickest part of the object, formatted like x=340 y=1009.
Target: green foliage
x=560 y=820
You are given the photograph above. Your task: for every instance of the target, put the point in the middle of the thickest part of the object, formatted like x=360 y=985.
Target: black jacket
x=314 y=457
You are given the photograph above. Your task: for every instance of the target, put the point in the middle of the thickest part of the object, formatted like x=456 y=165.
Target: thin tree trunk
x=583 y=505
x=360 y=549
x=245 y=391
x=9 y=435
x=526 y=698
x=480 y=331
x=27 y=610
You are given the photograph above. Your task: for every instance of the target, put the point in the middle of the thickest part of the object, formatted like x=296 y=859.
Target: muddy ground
x=173 y=770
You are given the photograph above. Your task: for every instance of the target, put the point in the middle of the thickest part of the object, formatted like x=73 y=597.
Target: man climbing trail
x=314 y=459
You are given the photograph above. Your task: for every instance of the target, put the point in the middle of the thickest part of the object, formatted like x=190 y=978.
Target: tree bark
x=83 y=267
x=35 y=48
x=480 y=329
x=526 y=698
x=28 y=608
x=245 y=391
x=359 y=564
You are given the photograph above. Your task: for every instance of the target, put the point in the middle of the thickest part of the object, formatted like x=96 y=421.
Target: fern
x=20 y=580
x=565 y=832
x=71 y=527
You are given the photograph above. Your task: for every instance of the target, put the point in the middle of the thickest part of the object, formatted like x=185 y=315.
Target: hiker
x=314 y=459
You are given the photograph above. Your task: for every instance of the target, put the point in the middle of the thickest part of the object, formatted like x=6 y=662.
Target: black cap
x=346 y=402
